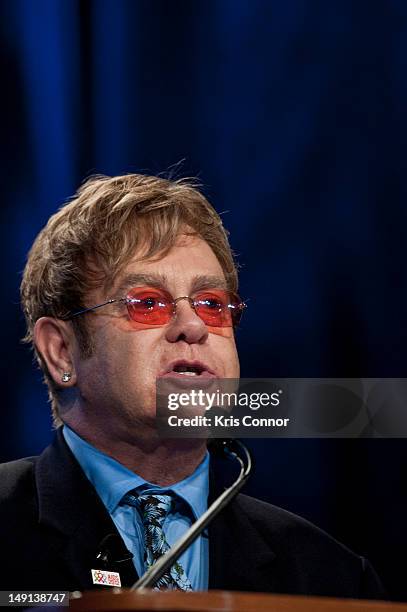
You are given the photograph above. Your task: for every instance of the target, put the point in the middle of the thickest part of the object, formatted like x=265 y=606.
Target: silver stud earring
x=66 y=376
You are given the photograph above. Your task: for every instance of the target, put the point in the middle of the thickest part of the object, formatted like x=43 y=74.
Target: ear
x=54 y=341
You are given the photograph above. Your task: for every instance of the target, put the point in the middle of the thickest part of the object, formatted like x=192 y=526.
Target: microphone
x=226 y=448
x=112 y=551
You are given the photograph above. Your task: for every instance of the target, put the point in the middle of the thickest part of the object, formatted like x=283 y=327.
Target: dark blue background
x=293 y=114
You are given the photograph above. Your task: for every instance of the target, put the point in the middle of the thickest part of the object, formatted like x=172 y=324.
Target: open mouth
x=191 y=369
x=187 y=370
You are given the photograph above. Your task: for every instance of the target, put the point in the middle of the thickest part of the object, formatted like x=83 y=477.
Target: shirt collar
x=112 y=480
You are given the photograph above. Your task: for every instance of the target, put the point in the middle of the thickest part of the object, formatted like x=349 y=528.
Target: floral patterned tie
x=154 y=509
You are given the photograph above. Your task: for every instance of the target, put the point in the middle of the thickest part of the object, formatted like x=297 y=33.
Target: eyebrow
x=160 y=281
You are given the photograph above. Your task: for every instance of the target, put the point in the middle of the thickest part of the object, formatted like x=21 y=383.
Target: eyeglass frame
x=241 y=306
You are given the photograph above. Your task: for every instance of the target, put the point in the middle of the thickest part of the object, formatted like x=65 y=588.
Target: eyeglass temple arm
x=76 y=314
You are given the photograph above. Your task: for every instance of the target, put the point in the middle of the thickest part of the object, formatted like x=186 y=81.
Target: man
x=116 y=293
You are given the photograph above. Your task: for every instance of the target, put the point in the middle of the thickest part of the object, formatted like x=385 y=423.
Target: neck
x=160 y=461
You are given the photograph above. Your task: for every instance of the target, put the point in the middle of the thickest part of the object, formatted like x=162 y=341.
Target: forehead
x=189 y=262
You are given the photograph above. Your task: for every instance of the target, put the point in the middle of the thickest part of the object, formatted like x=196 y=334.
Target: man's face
x=117 y=383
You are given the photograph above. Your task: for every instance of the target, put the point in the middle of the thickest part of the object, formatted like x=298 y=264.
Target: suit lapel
x=69 y=505
x=239 y=557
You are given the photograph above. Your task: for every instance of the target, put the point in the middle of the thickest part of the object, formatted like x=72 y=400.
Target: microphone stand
x=159 y=568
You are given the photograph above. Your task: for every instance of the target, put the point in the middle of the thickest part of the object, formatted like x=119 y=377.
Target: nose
x=185 y=324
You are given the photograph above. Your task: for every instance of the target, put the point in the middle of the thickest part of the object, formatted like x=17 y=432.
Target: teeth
x=188 y=370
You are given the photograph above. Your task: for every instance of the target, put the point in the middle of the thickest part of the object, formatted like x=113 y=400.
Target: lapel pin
x=105 y=578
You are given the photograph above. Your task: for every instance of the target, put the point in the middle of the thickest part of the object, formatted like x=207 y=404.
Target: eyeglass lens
x=216 y=308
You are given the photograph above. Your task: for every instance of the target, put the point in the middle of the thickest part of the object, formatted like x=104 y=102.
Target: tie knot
x=153 y=507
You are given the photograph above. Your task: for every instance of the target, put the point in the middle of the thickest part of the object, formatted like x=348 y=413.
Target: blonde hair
x=92 y=238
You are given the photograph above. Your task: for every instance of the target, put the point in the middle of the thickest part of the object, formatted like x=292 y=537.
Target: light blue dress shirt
x=112 y=481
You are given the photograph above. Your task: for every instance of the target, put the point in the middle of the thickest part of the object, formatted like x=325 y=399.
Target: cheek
x=121 y=378
x=235 y=365
x=225 y=332
x=128 y=360
x=227 y=354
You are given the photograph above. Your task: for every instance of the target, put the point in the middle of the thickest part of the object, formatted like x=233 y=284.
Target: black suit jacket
x=53 y=525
